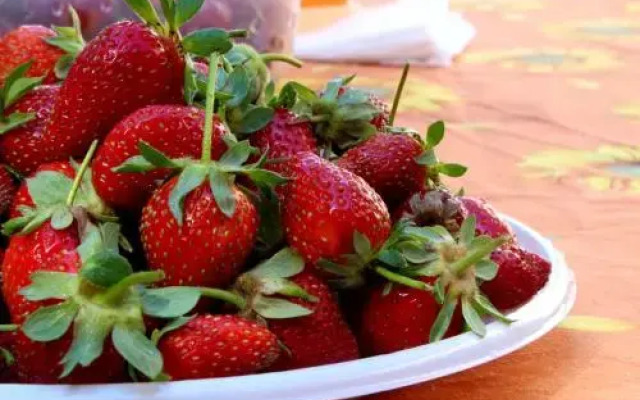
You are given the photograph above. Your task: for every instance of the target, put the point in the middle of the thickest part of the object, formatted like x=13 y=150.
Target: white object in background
x=360 y=377
x=422 y=31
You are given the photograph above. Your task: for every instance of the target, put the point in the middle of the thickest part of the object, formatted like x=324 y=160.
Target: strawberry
x=388 y=164
x=397 y=165
x=199 y=228
x=400 y=319
x=29 y=42
x=432 y=207
x=325 y=205
x=204 y=248
x=488 y=222
x=521 y=274
x=212 y=346
x=283 y=137
x=317 y=339
x=7 y=361
x=7 y=191
x=126 y=67
x=175 y=130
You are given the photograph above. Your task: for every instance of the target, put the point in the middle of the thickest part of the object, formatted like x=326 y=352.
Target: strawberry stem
x=8 y=328
x=118 y=291
x=399 y=91
x=401 y=279
x=211 y=99
x=238 y=33
x=225 y=296
x=477 y=254
x=269 y=57
x=81 y=171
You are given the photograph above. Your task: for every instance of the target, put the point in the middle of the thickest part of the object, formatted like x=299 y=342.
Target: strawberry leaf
x=138 y=350
x=169 y=13
x=472 y=318
x=435 y=133
x=19 y=88
x=155 y=156
x=392 y=258
x=255 y=119
x=362 y=245
x=89 y=333
x=48 y=188
x=427 y=158
x=222 y=189
x=237 y=154
x=237 y=84
x=468 y=230
x=452 y=170
x=69 y=38
x=15 y=120
x=486 y=270
x=273 y=308
x=63 y=65
x=145 y=11
x=186 y=10
x=46 y=285
x=62 y=218
x=50 y=323
x=135 y=164
x=170 y=327
x=482 y=304
x=8 y=358
x=264 y=178
x=192 y=177
x=284 y=264
x=205 y=42
x=443 y=320
x=106 y=268
x=169 y=302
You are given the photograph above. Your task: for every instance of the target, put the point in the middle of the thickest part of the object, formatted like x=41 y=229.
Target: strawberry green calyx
x=5 y=355
x=220 y=174
x=435 y=135
x=8 y=328
x=70 y=40
x=60 y=200
x=104 y=299
x=16 y=86
x=459 y=264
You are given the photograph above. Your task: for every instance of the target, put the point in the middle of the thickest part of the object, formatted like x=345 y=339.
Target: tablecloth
x=544 y=108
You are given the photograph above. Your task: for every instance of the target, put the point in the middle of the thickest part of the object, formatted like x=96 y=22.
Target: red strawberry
x=401 y=319
x=432 y=207
x=284 y=137
x=23 y=147
x=7 y=362
x=47 y=249
x=208 y=248
x=28 y=42
x=7 y=190
x=521 y=274
x=325 y=205
x=487 y=220
x=126 y=67
x=388 y=164
x=381 y=120
x=212 y=346
x=174 y=130
x=320 y=338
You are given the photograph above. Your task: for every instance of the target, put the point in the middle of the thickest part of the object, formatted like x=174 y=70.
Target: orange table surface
x=544 y=107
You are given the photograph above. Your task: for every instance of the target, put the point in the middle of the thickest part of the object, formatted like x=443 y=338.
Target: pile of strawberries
x=170 y=216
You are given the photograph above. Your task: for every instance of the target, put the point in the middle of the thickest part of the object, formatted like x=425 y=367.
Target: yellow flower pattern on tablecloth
x=418 y=95
x=546 y=60
x=606 y=168
x=628 y=110
x=587 y=323
x=600 y=30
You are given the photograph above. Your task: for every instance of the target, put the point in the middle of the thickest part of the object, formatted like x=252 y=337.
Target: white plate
x=361 y=377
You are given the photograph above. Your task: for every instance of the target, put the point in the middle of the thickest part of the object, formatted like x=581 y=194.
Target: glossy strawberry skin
x=174 y=130
x=126 y=67
x=47 y=249
x=387 y=163
x=214 y=346
x=209 y=249
x=24 y=147
x=26 y=43
x=400 y=320
x=283 y=138
x=324 y=205
x=317 y=339
x=487 y=220
x=22 y=196
x=7 y=190
x=521 y=274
